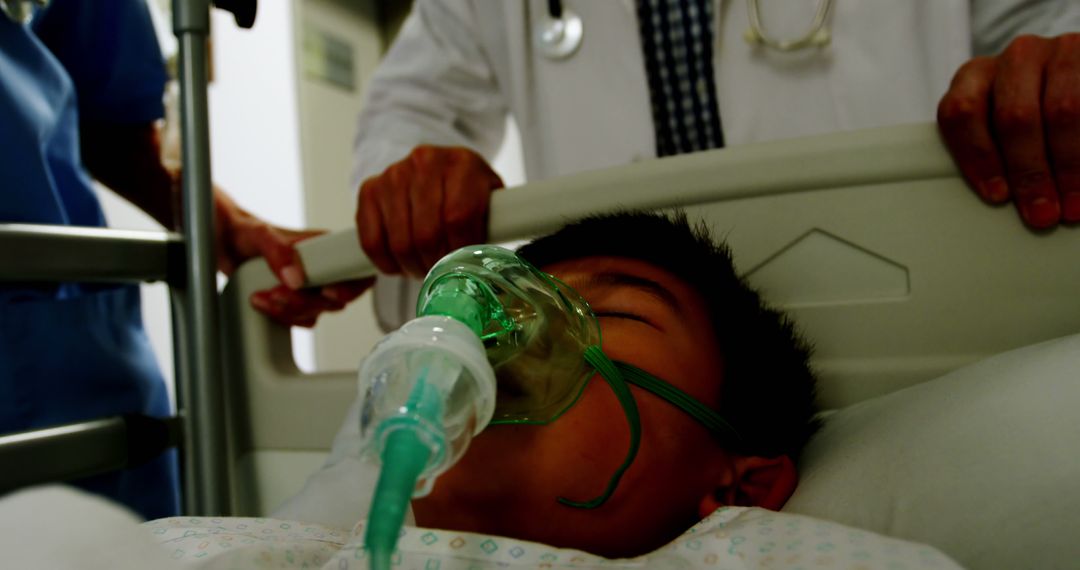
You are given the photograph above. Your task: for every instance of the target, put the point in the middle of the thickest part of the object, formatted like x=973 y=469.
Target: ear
x=765 y=482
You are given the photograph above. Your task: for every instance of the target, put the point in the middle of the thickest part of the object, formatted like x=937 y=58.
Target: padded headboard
x=889 y=264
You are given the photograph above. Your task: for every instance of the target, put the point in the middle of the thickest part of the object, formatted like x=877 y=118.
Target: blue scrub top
x=74 y=352
x=99 y=60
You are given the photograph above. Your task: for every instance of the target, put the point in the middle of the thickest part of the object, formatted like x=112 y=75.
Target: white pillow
x=983 y=463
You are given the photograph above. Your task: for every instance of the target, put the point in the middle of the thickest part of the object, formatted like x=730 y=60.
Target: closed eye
x=621 y=315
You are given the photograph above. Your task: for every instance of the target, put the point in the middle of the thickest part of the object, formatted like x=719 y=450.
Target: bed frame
x=888 y=263
x=894 y=270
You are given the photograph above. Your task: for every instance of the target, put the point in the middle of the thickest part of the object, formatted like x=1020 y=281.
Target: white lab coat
x=459 y=67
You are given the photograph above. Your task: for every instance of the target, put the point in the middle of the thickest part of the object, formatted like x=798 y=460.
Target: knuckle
x=424 y=156
x=1024 y=46
x=1064 y=110
x=1014 y=119
x=468 y=156
x=400 y=248
x=368 y=187
x=955 y=110
x=1066 y=41
x=427 y=239
x=266 y=236
x=975 y=66
x=463 y=218
x=1069 y=42
x=372 y=243
x=396 y=176
x=372 y=240
x=465 y=159
x=370 y=192
x=477 y=163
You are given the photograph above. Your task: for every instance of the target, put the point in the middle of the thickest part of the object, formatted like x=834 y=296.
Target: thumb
x=276 y=246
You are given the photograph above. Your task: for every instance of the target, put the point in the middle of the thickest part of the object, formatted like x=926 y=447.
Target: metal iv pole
x=200 y=387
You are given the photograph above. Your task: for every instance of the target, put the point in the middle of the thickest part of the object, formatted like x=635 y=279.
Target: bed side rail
x=76 y=450
x=908 y=152
x=33 y=252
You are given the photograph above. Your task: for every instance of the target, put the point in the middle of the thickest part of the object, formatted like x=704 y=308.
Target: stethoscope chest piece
x=19 y=11
x=558 y=38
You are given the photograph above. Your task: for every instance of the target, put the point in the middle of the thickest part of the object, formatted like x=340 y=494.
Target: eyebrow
x=620 y=279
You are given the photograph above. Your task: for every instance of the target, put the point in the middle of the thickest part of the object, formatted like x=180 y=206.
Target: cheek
x=677 y=357
x=578 y=451
x=672 y=442
x=593 y=437
x=593 y=433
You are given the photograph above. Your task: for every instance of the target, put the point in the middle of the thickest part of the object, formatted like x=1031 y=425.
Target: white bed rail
x=911 y=152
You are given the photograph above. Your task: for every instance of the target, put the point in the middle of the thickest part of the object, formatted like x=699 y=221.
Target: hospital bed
x=869 y=239
x=891 y=266
x=879 y=252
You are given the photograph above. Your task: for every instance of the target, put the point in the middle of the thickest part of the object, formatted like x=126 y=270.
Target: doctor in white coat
x=1007 y=101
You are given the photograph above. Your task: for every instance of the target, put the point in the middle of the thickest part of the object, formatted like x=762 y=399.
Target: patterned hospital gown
x=734 y=538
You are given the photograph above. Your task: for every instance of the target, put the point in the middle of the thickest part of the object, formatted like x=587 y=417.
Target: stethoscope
x=558 y=35
x=817 y=36
x=19 y=11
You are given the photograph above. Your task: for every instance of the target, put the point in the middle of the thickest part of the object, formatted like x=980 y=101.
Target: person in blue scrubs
x=81 y=87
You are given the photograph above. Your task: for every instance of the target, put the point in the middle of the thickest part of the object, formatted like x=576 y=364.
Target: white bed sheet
x=58 y=529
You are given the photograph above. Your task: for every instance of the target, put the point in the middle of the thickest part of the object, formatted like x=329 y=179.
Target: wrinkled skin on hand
x=428 y=204
x=1012 y=123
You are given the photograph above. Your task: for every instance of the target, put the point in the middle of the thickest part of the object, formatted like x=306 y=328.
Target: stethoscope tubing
x=560 y=33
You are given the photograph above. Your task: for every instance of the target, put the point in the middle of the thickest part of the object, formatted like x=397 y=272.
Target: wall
x=328 y=114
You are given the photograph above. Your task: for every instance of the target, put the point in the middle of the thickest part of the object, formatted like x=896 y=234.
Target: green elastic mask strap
x=685 y=402
x=610 y=372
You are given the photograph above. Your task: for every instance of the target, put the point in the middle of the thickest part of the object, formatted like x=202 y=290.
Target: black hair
x=768 y=387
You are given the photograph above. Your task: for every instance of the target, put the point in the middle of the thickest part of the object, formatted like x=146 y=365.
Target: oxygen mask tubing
x=495 y=341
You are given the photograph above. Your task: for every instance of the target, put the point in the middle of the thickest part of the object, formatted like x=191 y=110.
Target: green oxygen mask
x=534 y=328
x=495 y=341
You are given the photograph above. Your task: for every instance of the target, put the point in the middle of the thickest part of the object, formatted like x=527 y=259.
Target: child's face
x=508 y=481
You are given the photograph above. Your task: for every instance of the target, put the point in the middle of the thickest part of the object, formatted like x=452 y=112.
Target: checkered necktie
x=676 y=40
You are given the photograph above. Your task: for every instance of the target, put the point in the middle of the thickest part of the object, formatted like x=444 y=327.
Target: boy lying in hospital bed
x=670 y=303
